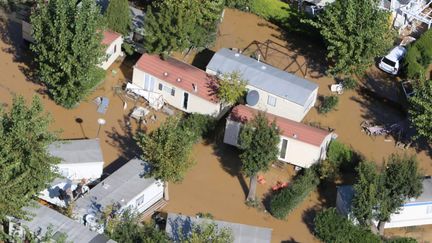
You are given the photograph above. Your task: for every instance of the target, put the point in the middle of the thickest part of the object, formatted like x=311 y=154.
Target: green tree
x=67 y=48
x=400 y=181
x=421 y=110
x=259 y=143
x=206 y=232
x=366 y=189
x=239 y=4
x=175 y=25
x=419 y=57
x=25 y=164
x=168 y=150
x=231 y=87
x=118 y=16
x=355 y=32
x=127 y=228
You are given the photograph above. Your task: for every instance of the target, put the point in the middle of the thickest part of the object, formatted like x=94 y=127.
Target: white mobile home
x=127 y=187
x=112 y=41
x=241 y=233
x=80 y=159
x=181 y=85
x=300 y=144
x=269 y=89
x=413 y=212
x=44 y=218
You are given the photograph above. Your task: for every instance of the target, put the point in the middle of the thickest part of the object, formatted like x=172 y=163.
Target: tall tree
x=259 y=142
x=231 y=87
x=67 y=48
x=175 y=25
x=118 y=16
x=421 y=109
x=355 y=32
x=366 y=189
x=400 y=181
x=25 y=164
x=168 y=150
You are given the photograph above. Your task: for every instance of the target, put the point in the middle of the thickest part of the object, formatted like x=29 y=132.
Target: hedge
x=288 y=198
x=419 y=56
x=328 y=104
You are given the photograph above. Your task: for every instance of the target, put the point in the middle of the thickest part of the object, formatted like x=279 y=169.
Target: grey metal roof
x=242 y=233
x=120 y=187
x=263 y=76
x=346 y=194
x=77 y=151
x=44 y=217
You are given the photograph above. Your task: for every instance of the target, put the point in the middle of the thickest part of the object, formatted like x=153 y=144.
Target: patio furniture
x=337 y=88
x=103 y=105
x=139 y=112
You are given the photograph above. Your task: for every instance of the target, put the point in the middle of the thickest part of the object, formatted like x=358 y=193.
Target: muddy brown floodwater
x=214 y=185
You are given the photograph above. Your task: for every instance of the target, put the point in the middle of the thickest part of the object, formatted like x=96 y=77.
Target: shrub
x=238 y=4
x=401 y=240
x=350 y=83
x=271 y=9
x=328 y=104
x=419 y=56
x=339 y=157
x=288 y=198
x=334 y=228
x=200 y=125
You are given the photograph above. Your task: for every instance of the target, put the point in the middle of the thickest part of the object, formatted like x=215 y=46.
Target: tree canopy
x=67 y=48
x=420 y=110
x=259 y=144
x=168 y=150
x=25 y=164
x=419 y=57
x=207 y=232
x=231 y=87
x=175 y=25
x=118 y=16
x=355 y=32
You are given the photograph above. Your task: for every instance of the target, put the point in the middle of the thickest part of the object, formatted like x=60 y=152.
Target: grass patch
x=271 y=9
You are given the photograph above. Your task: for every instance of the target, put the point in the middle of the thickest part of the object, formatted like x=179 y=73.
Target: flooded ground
x=214 y=184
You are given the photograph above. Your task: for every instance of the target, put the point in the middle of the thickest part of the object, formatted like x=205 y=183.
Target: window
x=167 y=89
x=271 y=100
x=139 y=201
x=172 y=91
x=160 y=86
x=115 y=48
x=283 y=148
x=429 y=210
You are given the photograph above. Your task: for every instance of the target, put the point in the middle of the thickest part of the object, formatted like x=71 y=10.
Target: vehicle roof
x=396 y=53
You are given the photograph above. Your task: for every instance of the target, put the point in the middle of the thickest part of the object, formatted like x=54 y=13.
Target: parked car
x=408 y=88
x=390 y=63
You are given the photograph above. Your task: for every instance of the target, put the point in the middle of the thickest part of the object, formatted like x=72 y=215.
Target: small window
x=167 y=89
x=140 y=201
x=115 y=48
x=271 y=100
x=283 y=148
x=172 y=92
x=160 y=86
x=429 y=210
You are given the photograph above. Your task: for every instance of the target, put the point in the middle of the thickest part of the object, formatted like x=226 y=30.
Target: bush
x=238 y=4
x=334 y=228
x=419 y=56
x=401 y=240
x=349 y=83
x=288 y=198
x=271 y=9
x=328 y=104
x=200 y=125
x=339 y=157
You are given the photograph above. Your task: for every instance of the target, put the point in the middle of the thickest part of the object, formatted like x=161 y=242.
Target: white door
x=149 y=82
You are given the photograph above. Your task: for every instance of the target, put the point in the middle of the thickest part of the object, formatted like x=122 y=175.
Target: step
x=153 y=208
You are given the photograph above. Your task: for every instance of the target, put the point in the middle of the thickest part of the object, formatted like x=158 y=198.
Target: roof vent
x=165 y=74
x=263 y=67
x=195 y=87
x=294 y=135
x=178 y=80
x=237 y=54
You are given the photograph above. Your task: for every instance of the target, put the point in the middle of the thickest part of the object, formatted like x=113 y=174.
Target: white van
x=390 y=63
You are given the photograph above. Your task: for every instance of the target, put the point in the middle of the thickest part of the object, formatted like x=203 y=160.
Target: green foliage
x=25 y=164
x=128 y=229
x=175 y=25
x=341 y=155
x=420 y=110
x=68 y=48
x=259 y=144
x=205 y=215
x=271 y=9
x=355 y=32
x=350 y=83
x=231 y=88
x=288 y=198
x=331 y=227
x=366 y=189
x=419 y=56
x=401 y=240
x=328 y=104
x=201 y=125
x=128 y=48
x=206 y=232
x=238 y=4
x=118 y=16
x=168 y=150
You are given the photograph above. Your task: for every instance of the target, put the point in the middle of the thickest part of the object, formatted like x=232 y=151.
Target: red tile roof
x=172 y=70
x=304 y=133
x=109 y=37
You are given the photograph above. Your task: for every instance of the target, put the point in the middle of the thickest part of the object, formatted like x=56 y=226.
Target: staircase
x=153 y=208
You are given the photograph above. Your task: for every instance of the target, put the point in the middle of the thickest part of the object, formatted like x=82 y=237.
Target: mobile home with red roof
x=112 y=41
x=300 y=144
x=182 y=86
